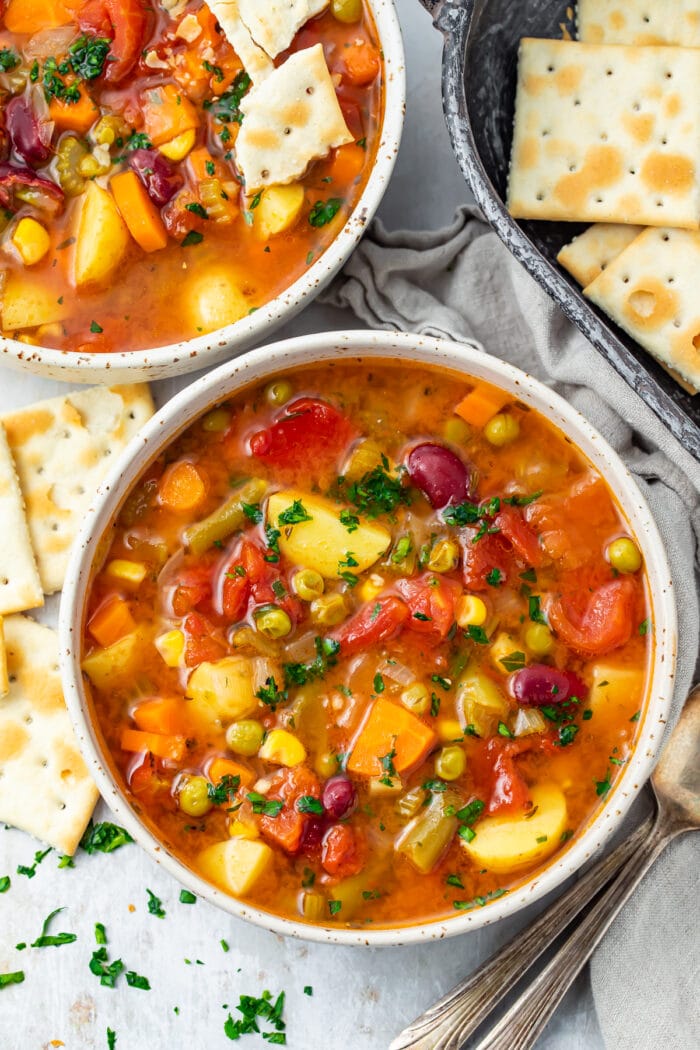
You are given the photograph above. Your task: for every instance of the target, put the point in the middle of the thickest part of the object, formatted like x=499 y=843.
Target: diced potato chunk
x=508 y=843
x=115 y=664
x=324 y=542
x=102 y=237
x=222 y=691
x=278 y=210
x=283 y=748
x=503 y=646
x=615 y=691
x=214 y=299
x=235 y=865
x=129 y=573
x=171 y=646
x=26 y=303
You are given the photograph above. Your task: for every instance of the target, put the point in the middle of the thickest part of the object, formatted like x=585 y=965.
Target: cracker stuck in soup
x=161 y=174
x=369 y=644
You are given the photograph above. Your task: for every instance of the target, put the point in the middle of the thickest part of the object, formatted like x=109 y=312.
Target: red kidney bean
x=30 y=137
x=312 y=835
x=339 y=797
x=540 y=684
x=156 y=174
x=439 y=473
x=46 y=195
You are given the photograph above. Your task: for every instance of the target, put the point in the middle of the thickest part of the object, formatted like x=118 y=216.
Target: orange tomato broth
x=145 y=300
x=398 y=407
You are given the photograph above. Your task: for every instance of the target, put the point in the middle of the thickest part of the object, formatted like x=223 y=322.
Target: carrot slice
x=77 y=116
x=362 y=63
x=182 y=488
x=167 y=114
x=481 y=404
x=27 y=16
x=111 y=621
x=160 y=745
x=226 y=767
x=163 y=714
x=348 y=161
x=390 y=728
x=139 y=212
x=204 y=166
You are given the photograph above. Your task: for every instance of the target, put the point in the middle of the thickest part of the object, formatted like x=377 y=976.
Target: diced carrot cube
x=226 y=767
x=393 y=731
x=182 y=488
x=171 y=748
x=166 y=714
x=481 y=404
x=111 y=621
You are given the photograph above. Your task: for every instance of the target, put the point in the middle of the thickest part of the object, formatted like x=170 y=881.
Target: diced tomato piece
x=431 y=603
x=148 y=783
x=605 y=624
x=375 y=622
x=194 y=587
x=200 y=643
x=515 y=529
x=497 y=776
x=574 y=525
x=481 y=558
x=235 y=593
x=287 y=828
x=343 y=851
x=124 y=22
x=307 y=427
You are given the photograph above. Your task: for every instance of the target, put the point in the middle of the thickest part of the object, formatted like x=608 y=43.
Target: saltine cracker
x=589 y=253
x=62 y=449
x=273 y=24
x=606 y=134
x=651 y=290
x=640 y=23
x=255 y=62
x=45 y=788
x=20 y=586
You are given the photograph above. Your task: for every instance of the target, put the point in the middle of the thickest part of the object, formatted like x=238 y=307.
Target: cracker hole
x=131 y=415
x=659 y=204
x=664 y=142
x=665 y=237
x=265 y=173
x=636 y=107
x=61 y=805
x=643 y=302
x=4 y=581
x=288 y=131
x=625 y=280
x=65 y=434
x=608 y=72
x=577 y=101
x=676 y=323
x=54 y=526
x=599 y=200
x=309 y=90
x=55 y=667
x=645 y=18
x=670 y=280
x=80 y=490
x=696 y=341
x=40 y=470
x=550 y=69
x=540 y=196
x=604 y=136
x=44 y=763
x=28 y=720
x=572 y=167
x=668 y=74
x=633 y=171
x=545 y=132
x=12 y=678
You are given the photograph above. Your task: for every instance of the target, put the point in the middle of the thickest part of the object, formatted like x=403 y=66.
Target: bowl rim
x=207 y=350
x=264 y=363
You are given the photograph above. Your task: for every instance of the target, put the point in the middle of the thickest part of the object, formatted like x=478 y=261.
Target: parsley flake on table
x=30 y=871
x=187 y=898
x=155 y=904
x=253 y=1010
x=11 y=978
x=104 y=838
x=55 y=940
x=111 y=1039
x=135 y=980
x=5 y=883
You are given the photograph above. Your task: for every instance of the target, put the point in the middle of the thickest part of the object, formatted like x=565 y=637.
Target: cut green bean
x=226 y=519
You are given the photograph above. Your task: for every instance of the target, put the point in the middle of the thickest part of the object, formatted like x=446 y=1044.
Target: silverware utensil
x=448 y=1024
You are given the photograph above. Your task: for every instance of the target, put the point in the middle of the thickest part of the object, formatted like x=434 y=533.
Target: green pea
x=328 y=610
x=347 y=11
x=624 y=555
x=245 y=737
x=501 y=430
x=193 y=796
x=450 y=763
x=279 y=392
x=308 y=584
x=456 y=431
x=216 y=421
x=273 y=622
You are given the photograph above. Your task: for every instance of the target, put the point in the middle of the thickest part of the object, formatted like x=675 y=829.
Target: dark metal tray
x=479 y=76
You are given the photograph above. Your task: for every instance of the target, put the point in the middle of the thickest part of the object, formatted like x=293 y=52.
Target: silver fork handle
x=527 y=1017
x=447 y=1024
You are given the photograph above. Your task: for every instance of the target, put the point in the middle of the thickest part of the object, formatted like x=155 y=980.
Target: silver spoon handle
x=447 y=1024
x=526 y=1018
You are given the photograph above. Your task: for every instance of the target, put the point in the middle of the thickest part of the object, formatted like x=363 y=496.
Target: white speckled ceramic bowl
x=207 y=350
x=263 y=364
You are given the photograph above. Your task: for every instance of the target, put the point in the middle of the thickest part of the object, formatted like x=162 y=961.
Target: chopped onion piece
x=528 y=721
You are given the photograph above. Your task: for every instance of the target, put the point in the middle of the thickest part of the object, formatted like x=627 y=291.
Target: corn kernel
x=30 y=340
x=31 y=241
x=239 y=829
x=448 y=729
x=131 y=573
x=539 y=639
x=171 y=646
x=371 y=587
x=180 y=146
x=471 y=611
x=444 y=556
x=50 y=331
x=283 y=748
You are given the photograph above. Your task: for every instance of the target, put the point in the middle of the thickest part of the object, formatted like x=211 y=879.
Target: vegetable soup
x=161 y=174
x=369 y=643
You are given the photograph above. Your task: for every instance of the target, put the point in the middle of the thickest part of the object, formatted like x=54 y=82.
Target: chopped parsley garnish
x=324 y=212
x=421 y=616
x=111 y=1039
x=228 y=106
x=262 y=806
x=270 y=695
x=252 y=512
x=294 y=514
x=187 y=898
x=11 y=978
x=138 y=140
x=96 y=328
x=326 y=651
x=635 y=716
x=224 y=791
x=437 y=787
x=479 y=902
x=52 y=940
x=197 y=209
x=252 y=1010
x=388 y=767
x=218 y=74
x=503 y=730
x=377 y=492
x=444 y=683
x=644 y=627
x=309 y=804
x=541 y=838
x=5 y=883
x=100 y=933
x=88 y=56
x=349 y=520
x=603 y=786
x=104 y=838
x=104 y=969
x=272 y=536
x=434 y=705
x=494 y=578
x=155 y=905
x=404 y=546
x=529 y=575
x=308 y=990
x=469 y=813
x=193 y=237
x=513 y=661
x=30 y=872
x=476 y=634
x=378 y=683
x=135 y=980
x=66 y=862
x=462 y=514
x=533 y=608
x=224 y=946
x=522 y=501
x=334 y=907
x=454 y=880
x=566 y=835
x=8 y=59
x=210 y=168
x=587 y=714
x=466 y=833
x=567 y=735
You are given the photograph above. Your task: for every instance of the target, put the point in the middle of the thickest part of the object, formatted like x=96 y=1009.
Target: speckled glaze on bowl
x=263 y=364
x=204 y=351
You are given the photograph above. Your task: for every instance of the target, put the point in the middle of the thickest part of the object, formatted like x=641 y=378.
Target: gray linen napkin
x=462 y=283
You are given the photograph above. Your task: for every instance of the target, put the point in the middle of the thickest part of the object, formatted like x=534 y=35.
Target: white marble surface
x=361 y=998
